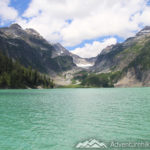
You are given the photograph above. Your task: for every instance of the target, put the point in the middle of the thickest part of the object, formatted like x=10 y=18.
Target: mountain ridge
x=31 y=49
x=122 y=65
x=123 y=57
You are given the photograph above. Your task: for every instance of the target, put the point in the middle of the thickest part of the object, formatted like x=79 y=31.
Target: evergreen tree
x=14 y=75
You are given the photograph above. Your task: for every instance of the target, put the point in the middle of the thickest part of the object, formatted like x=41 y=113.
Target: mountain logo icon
x=92 y=144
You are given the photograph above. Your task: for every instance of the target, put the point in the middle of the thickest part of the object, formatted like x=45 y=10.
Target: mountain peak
x=146 y=28
x=15 y=26
x=144 y=31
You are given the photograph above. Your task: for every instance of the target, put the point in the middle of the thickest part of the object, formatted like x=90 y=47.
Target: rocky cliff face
x=31 y=49
x=131 y=57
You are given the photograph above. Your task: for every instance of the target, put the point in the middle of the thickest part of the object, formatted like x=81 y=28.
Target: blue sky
x=20 y=5
x=84 y=27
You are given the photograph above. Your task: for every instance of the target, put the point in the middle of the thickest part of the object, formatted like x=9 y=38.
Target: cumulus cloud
x=92 y=50
x=71 y=22
x=7 y=13
x=142 y=17
x=87 y=19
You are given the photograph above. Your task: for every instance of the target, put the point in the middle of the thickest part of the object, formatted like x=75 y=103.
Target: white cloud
x=90 y=18
x=143 y=17
x=92 y=50
x=7 y=13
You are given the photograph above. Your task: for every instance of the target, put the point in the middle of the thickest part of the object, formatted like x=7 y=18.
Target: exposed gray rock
x=144 y=31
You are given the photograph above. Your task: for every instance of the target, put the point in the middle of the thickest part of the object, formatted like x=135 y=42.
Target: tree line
x=14 y=75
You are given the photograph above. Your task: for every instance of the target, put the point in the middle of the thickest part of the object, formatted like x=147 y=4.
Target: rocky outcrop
x=131 y=79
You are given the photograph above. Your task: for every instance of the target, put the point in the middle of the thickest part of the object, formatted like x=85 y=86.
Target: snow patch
x=84 y=65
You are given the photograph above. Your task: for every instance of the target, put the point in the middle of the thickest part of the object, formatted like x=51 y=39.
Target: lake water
x=59 y=119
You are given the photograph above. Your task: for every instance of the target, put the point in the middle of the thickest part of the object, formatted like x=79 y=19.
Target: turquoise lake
x=59 y=119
